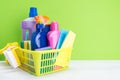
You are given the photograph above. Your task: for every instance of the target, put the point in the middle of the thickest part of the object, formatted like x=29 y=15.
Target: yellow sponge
x=63 y=57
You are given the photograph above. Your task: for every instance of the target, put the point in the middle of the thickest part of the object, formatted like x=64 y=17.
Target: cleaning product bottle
x=35 y=37
x=53 y=35
x=39 y=37
x=46 y=28
x=29 y=23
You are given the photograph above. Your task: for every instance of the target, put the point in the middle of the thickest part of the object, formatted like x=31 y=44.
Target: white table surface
x=78 y=70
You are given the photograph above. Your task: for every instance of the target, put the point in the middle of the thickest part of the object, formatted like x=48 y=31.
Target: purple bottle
x=29 y=24
x=53 y=35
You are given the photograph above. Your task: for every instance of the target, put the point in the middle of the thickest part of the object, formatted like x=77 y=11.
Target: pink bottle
x=53 y=35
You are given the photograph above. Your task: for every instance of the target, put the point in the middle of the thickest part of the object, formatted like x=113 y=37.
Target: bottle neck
x=54 y=26
x=39 y=27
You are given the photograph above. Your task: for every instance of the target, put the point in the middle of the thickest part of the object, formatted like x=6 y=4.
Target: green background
x=95 y=22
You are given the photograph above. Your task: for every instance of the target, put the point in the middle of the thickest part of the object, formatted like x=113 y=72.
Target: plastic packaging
x=53 y=35
x=10 y=54
x=35 y=37
x=29 y=23
x=39 y=38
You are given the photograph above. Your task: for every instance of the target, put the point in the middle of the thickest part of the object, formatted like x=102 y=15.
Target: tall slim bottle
x=29 y=24
x=53 y=35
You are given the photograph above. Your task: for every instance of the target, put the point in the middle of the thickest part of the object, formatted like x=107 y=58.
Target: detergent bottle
x=35 y=43
x=53 y=35
x=29 y=23
x=39 y=37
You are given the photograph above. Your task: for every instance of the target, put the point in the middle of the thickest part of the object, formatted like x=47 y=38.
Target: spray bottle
x=39 y=37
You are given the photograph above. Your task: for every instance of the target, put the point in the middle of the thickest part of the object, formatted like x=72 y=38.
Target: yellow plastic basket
x=44 y=62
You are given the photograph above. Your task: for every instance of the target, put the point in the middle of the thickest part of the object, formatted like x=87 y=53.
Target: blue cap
x=33 y=12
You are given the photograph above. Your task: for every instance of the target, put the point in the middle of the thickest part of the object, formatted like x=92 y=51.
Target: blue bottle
x=46 y=29
x=39 y=37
